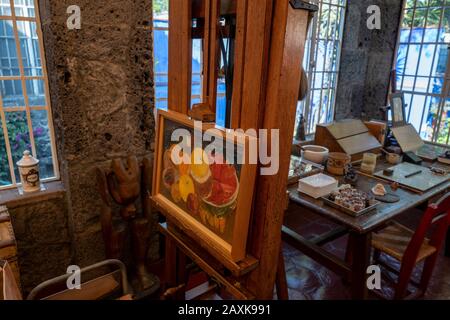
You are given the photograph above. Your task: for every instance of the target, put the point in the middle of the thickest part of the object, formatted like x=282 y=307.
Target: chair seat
x=96 y=289
x=394 y=241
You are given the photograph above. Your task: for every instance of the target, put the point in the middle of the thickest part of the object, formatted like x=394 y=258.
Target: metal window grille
x=421 y=62
x=321 y=62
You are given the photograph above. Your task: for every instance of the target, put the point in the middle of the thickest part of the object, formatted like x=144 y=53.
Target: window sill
x=12 y=199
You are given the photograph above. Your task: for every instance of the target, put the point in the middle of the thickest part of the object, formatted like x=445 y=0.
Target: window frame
x=27 y=108
x=165 y=74
x=445 y=90
x=311 y=66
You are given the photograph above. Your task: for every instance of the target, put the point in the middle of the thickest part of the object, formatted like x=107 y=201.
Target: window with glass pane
x=161 y=63
x=422 y=66
x=321 y=63
x=161 y=51
x=25 y=117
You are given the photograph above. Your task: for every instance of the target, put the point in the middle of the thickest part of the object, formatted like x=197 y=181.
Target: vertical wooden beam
x=287 y=43
x=238 y=77
x=170 y=271
x=206 y=47
x=180 y=55
x=256 y=58
x=214 y=48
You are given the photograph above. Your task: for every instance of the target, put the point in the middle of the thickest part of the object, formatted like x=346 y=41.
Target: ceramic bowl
x=316 y=154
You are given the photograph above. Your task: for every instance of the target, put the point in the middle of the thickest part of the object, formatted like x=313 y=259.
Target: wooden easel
x=268 y=52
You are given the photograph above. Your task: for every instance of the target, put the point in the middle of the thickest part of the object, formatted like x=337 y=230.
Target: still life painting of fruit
x=204 y=185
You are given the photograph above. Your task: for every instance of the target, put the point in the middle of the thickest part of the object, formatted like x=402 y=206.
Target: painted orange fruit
x=185 y=166
x=186 y=186
x=175 y=192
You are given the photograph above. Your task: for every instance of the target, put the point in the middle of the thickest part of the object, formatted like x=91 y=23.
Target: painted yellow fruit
x=199 y=163
x=186 y=186
x=175 y=192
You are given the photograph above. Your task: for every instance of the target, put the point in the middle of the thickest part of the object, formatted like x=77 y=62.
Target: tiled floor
x=308 y=280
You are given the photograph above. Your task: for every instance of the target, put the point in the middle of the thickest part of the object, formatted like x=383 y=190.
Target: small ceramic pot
x=316 y=154
x=29 y=173
x=338 y=163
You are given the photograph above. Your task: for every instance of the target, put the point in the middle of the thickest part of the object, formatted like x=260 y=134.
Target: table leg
x=281 y=282
x=361 y=245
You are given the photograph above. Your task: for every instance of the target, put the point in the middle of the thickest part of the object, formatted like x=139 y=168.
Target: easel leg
x=170 y=270
x=182 y=276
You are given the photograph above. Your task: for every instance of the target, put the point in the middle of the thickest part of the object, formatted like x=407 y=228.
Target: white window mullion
x=7 y=144
x=47 y=90
x=325 y=56
x=443 y=101
x=312 y=113
x=22 y=79
x=409 y=41
x=338 y=58
x=310 y=71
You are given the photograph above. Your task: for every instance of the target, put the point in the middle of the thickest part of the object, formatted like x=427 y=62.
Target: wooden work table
x=359 y=229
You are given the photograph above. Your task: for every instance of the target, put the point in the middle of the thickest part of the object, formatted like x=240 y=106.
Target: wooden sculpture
x=121 y=187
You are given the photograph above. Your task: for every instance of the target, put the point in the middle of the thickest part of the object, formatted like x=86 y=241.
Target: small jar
x=29 y=172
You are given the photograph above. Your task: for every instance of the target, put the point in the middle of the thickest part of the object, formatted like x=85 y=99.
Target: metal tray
x=348 y=211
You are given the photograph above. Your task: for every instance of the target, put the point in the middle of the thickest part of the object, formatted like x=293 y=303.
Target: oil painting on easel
x=204 y=185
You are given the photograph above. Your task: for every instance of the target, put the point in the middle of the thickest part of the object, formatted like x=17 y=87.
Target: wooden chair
x=100 y=288
x=411 y=248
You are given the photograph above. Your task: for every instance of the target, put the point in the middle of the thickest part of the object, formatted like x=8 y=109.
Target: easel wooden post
x=270 y=43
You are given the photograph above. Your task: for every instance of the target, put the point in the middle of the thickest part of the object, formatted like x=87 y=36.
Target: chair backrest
x=119 y=266
x=436 y=216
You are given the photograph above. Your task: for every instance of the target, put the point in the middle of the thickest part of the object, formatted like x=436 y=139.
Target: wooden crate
x=347 y=136
x=8 y=245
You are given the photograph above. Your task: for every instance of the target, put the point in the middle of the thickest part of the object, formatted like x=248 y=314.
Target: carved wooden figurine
x=125 y=184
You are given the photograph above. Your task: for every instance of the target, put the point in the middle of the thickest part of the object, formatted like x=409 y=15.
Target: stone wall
x=101 y=88
x=44 y=240
x=366 y=59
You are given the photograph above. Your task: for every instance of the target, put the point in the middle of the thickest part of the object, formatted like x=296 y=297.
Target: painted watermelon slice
x=224 y=190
